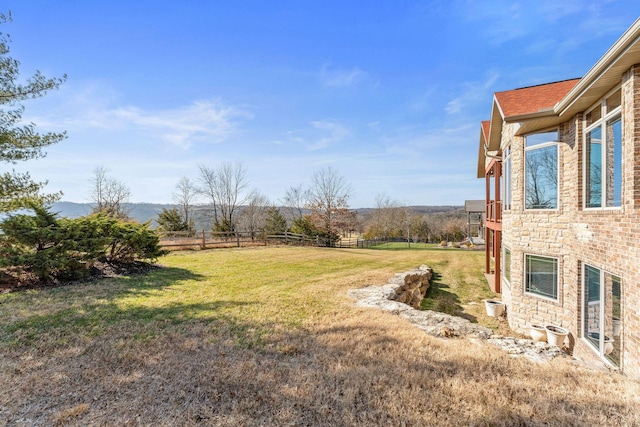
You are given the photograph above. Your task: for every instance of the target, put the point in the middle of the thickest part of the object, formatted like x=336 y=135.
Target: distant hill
x=143 y=212
x=418 y=209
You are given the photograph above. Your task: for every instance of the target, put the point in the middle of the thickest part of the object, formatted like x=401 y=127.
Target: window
x=506 y=178
x=601 y=312
x=603 y=154
x=541 y=170
x=541 y=276
x=506 y=265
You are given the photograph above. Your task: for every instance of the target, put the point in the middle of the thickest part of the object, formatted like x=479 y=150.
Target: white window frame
x=526 y=279
x=506 y=182
x=605 y=117
x=506 y=265
x=536 y=147
x=602 y=313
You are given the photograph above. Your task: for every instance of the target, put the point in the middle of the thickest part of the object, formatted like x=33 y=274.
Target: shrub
x=305 y=225
x=130 y=241
x=173 y=220
x=53 y=248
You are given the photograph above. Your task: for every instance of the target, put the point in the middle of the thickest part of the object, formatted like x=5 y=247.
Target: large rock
x=403 y=296
x=411 y=286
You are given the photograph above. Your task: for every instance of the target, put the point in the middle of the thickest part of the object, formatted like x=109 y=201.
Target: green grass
x=394 y=246
x=265 y=289
x=267 y=336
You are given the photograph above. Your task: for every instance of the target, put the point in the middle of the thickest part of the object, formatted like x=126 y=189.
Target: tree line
x=221 y=198
x=40 y=243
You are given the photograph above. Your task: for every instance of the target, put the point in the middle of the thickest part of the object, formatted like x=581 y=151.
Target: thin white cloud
x=554 y=10
x=473 y=92
x=332 y=132
x=319 y=135
x=202 y=121
x=412 y=142
x=341 y=77
x=95 y=106
x=502 y=20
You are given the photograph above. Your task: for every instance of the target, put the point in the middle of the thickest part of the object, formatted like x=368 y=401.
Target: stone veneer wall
x=607 y=239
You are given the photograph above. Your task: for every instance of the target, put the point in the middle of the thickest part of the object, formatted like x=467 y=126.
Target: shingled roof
x=540 y=107
x=524 y=105
x=532 y=99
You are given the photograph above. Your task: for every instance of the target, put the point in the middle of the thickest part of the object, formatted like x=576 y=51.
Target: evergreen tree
x=172 y=220
x=19 y=141
x=275 y=223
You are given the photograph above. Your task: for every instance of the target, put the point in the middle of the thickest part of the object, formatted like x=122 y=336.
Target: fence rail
x=176 y=240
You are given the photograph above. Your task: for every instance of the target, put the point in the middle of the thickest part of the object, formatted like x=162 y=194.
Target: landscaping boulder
x=411 y=286
x=403 y=297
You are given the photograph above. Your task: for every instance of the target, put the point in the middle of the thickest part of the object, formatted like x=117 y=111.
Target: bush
x=172 y=220
x=53 y=248
x=130 y=241
x=304 y=225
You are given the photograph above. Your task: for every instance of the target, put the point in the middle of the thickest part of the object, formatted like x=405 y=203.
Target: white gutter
x=619 y=48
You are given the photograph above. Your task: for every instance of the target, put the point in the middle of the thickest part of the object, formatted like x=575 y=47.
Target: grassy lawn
x=395 y=246
x=267 y=336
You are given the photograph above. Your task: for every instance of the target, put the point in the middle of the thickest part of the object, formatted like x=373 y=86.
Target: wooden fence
x=178 y=240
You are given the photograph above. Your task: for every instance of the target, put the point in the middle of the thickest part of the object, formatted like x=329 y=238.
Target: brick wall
x=608 y=239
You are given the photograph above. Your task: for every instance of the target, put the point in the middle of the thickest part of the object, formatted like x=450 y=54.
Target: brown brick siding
x=607 y=239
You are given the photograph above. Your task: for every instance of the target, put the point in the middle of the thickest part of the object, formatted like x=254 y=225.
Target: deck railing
x=494 y=211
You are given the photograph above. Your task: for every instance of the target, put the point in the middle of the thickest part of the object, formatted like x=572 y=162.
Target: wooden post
x=487 y=237
x=204 y=241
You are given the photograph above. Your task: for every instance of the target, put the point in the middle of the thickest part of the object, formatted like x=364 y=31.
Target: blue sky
x=389 y=93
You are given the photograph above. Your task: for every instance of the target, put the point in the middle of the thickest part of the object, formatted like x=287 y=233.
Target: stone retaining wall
x=412 y=286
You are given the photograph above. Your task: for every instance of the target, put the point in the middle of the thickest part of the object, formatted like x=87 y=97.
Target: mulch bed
x=12 y=279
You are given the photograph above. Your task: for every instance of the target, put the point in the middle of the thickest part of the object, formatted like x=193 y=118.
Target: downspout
x=492 y=156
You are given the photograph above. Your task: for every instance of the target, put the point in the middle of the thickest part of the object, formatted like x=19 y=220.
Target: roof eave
x=530 y=116
x=614 y=62
x=495 y=129
x=482 y=155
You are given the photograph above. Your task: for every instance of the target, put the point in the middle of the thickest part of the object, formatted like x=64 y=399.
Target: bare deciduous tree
x=232 y=181
x=207 y=188
x=294 y=202
x=109 y=194
x=387 y=220
x=225 y=188
x=184 y=196
x=254 y=215
x=327 y=197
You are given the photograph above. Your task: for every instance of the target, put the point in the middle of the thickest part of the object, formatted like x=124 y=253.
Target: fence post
x=204 y=241
x=238 y=238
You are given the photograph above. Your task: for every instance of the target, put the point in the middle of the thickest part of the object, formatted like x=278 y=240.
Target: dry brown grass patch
x=194 y=350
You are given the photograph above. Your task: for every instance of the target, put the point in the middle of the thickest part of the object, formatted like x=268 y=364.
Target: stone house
x=475 y=221
x=562 y=168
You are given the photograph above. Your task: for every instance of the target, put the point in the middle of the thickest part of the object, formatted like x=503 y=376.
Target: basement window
x=601 y=313
x=541 y=276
